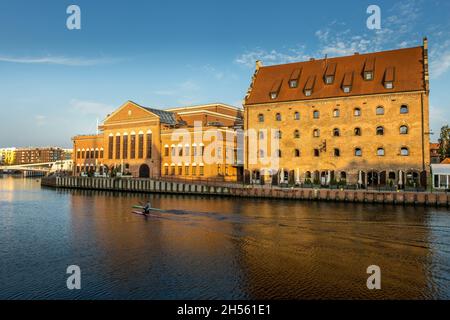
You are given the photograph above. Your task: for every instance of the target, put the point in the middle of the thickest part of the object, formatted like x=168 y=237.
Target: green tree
x=444 y=142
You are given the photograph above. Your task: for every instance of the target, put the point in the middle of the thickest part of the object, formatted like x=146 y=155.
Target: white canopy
x=441 y=169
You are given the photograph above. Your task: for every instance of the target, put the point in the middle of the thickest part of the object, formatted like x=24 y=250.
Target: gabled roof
x=165 y=117
x=406 y=67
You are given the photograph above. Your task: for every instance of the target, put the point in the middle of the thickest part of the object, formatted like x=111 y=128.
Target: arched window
x=380 y=110
x=404 y=151
x=380 y=152
x=337 y=152
x=357 y=131
x=296 y=134
x=404 y=130
x=336 y=113
x=278 y=117
x=316 y=133
x=404 y=109
x=316 y=114
x=297 y=115
x=380 y=131
x=297 y=153
x=336 y=132
x=358 y=152
x=316 y=153
x=260 y=117
x=278 y=134
x=357 y=112
x=261 y=135
x=261 y=153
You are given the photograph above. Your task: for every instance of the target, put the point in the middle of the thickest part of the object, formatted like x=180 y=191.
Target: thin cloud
x=337 y=39
x=91 y=108
x=40 y=120
x=271 y=57
x=61 y=60
x=440 y=65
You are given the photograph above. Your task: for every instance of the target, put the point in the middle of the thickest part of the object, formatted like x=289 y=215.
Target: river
x=215 y=248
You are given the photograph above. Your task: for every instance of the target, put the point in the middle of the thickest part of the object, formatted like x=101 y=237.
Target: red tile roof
x=446 y=161
x=405 y=67
x=434 y=145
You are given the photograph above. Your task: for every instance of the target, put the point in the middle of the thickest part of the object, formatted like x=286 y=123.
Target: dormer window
x=389 y=78
x=368 y=75
x=347 y=82
x=294 y=78
x=369 y=68
x=309 y=86
x=275 y=89
x=293 y=83
x=330 y=73
x=329 y=79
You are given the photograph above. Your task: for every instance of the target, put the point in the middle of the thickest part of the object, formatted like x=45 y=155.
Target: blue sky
x=55 y=82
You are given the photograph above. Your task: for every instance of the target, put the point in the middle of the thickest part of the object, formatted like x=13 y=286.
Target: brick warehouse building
x=360 y=119
x=38 y=155
x=146 y=142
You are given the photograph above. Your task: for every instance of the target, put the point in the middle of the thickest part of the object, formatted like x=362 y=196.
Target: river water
x=215 y=248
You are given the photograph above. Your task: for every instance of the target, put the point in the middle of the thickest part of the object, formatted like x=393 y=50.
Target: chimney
x=258 y=64
x=425 y=43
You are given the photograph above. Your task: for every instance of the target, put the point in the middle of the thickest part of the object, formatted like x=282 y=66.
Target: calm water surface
x=215 y=248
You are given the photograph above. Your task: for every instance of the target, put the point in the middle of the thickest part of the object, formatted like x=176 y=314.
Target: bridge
x=31 y=169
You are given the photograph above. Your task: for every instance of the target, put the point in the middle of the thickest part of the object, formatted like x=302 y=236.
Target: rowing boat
x=151 y=209
x=144 y=214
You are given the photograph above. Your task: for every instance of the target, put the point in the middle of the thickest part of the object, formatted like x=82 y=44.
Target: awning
x=441 y=169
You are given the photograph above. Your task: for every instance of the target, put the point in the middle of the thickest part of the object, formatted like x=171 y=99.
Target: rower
x=147 y=208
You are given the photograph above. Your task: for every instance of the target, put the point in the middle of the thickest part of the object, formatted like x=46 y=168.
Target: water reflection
x=216 y=248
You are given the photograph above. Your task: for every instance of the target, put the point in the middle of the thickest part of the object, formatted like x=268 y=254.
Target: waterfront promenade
x=237 y=190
